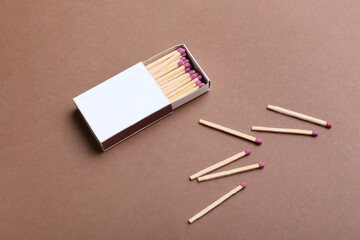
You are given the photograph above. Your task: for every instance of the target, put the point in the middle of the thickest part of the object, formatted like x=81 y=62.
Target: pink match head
x=192 y=72
x=181 y=50
x=187 y=65
x=247 y=151
x=243 y=184
x=186 y=60
x=199 y=77
x=180 y=63
x=198 y=82
x=183 y=58
x=258 y=141
x=315 y=133
x=184 y=54
x=187 y=69
x=328 y=124
x=193 y=76
x=201 y=85
x=261 y=165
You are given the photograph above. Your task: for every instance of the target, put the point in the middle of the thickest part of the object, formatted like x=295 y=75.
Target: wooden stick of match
x=189 y=84
x=175 y=58
x=184 y=91
x=285 y=130
x=230 y=131
x=180 y=70
x=170 y=78
x=220 y=164
x=165 y=85
x=175 y=86
x=172 y=66
x=175 y=98
x=217 y=202
x=162 y=59
x=165 y=82
x=300 y=116
x=231 y=172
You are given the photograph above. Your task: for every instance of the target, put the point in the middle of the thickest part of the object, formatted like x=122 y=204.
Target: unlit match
x=217 y=202
x=220 y=164
x=300 y=116
x=285 y=130
x=230 y=131
x=231 y=172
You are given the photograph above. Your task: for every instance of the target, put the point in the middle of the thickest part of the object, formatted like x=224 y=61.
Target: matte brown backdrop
x=302 y=55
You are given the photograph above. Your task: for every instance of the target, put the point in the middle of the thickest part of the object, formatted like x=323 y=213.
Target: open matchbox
x=130 y=101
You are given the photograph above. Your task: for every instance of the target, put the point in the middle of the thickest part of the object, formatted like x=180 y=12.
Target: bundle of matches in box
x=174 y=75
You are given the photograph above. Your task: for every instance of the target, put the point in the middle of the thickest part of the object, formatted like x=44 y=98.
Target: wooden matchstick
x=191 y=84
x=160 y=60
x=174 y=65
x=220 y=164
x=177 y=97
x=180 y=70
x=231 y=172
x=165 y=58
x=285 y=130
x=230 y=131
x=169 y=78
x=217 y=202
x=164 y=65
x=300 y=116
x=187 y=89
x=167 y=81
x=174 y=81
x=177 y=85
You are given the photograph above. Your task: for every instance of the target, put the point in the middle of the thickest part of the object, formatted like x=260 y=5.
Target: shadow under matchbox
x=141 y=95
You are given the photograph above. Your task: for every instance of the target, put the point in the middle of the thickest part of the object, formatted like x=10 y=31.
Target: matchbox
x=134 y=99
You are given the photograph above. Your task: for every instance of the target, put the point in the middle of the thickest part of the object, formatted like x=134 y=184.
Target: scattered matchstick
x=231 y=172
x=217 y=202
x=230 y=131
x=285 y=130
x=220 y=164
x=300 y=116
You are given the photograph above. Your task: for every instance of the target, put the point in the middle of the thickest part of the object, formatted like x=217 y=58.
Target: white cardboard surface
x=121 y=101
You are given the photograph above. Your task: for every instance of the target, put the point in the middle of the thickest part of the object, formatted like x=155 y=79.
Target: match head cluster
x=181 y=50
x=188 y=67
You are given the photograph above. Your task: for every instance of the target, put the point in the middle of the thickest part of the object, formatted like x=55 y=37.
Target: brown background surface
x=302 y=55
